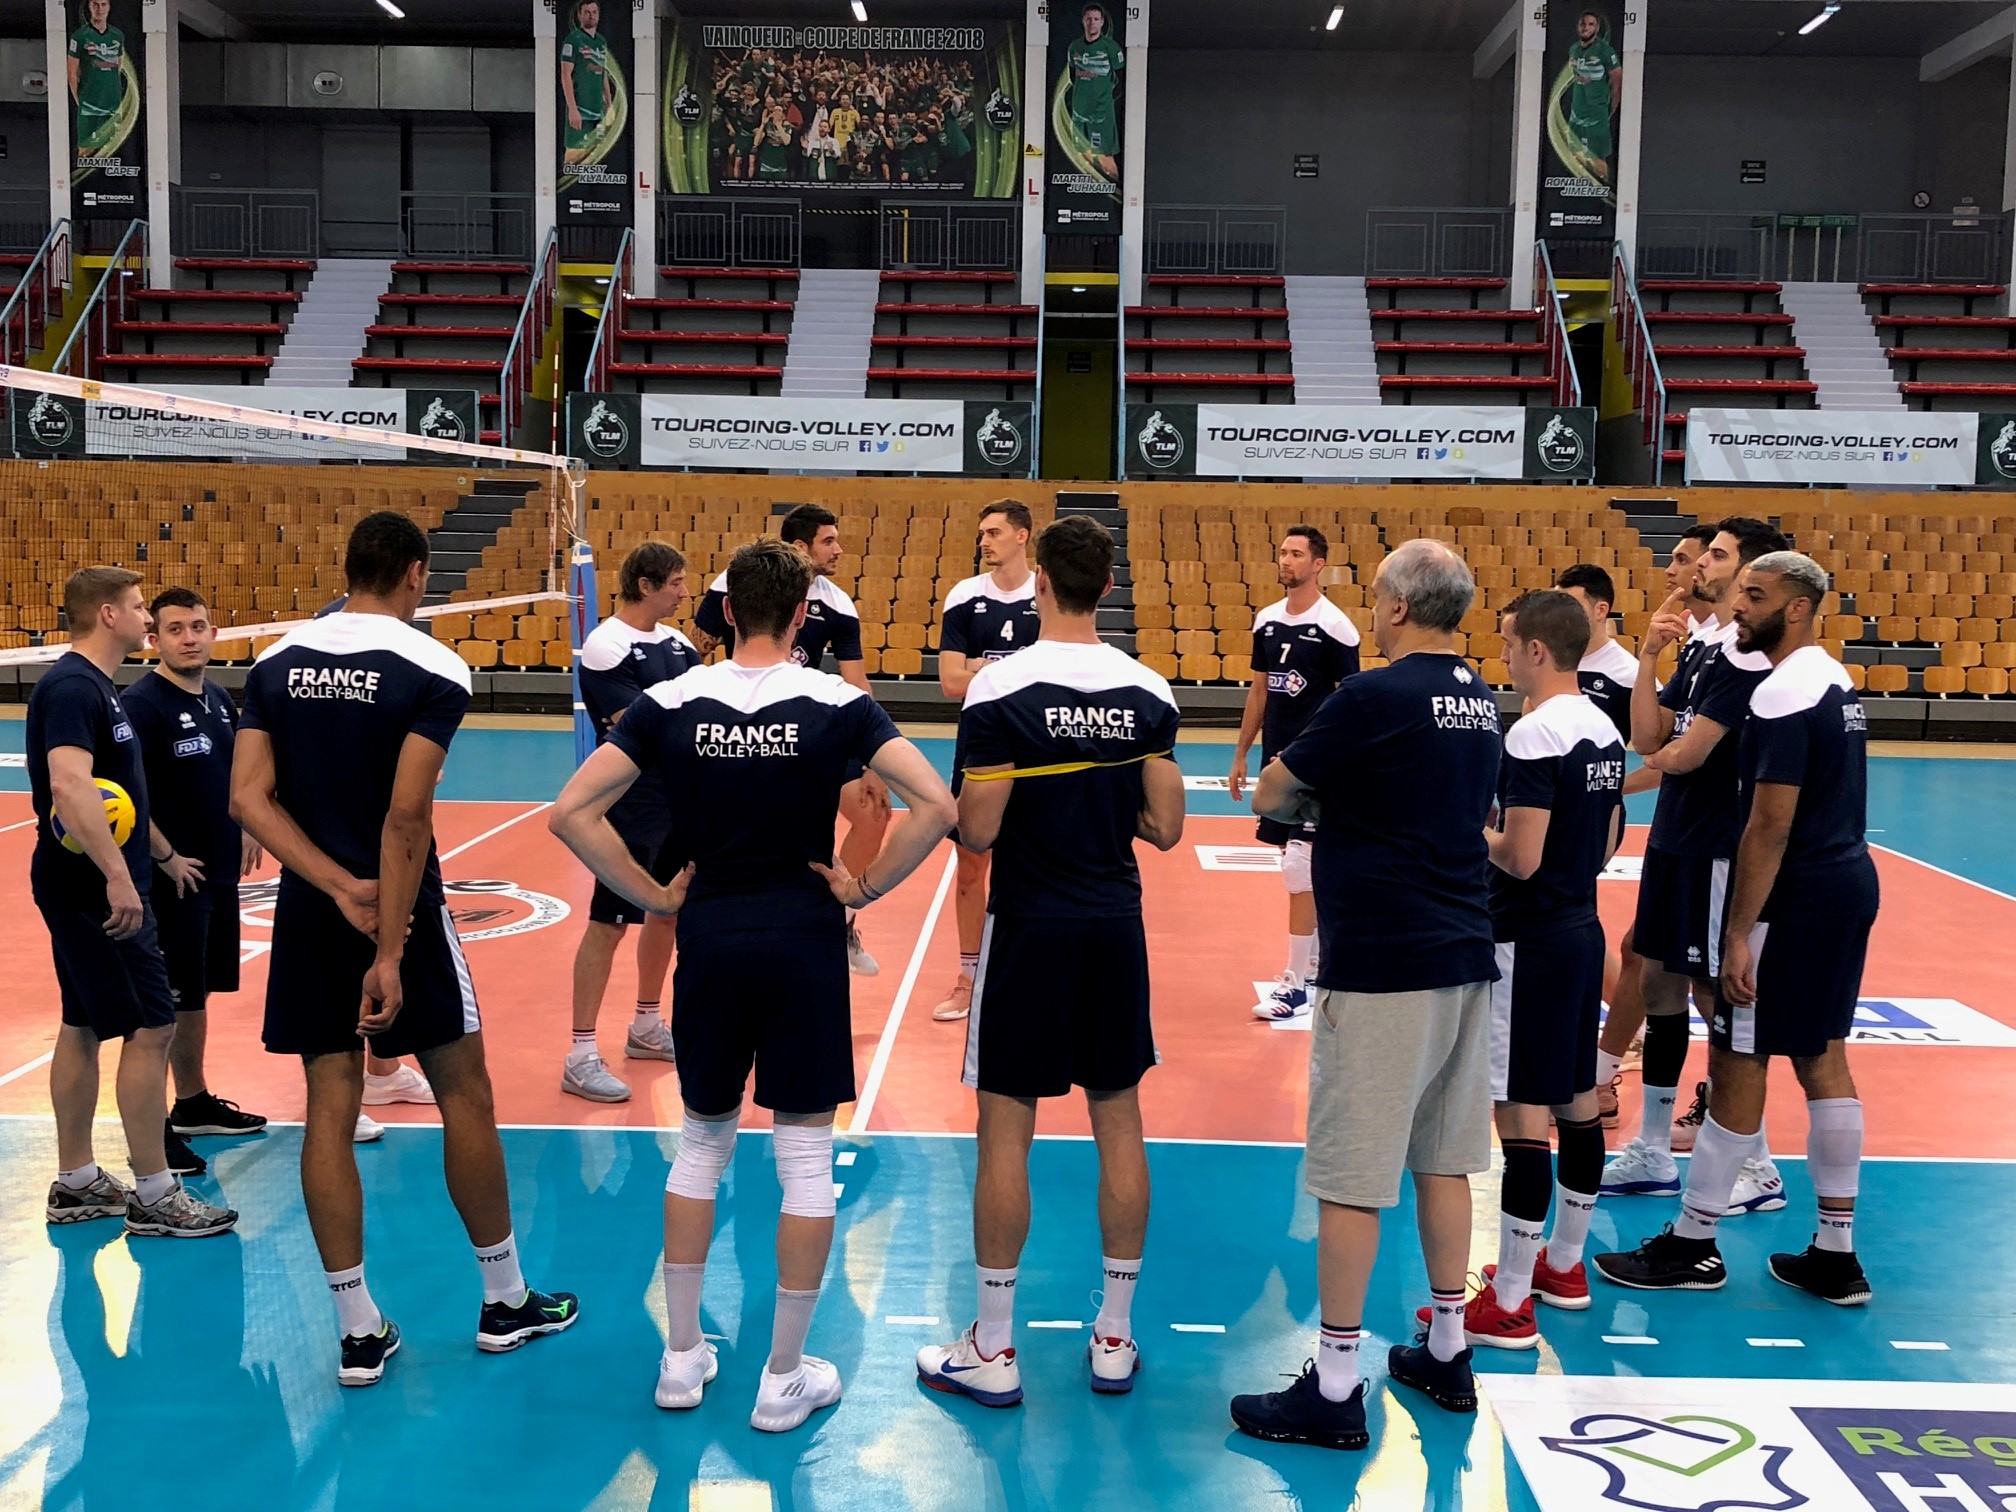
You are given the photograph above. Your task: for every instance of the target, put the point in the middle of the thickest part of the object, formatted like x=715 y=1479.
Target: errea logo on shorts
x=736 y=742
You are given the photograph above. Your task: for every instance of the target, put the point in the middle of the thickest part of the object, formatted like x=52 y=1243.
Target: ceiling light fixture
x=860 y=12
x=391 y=10
x=1820 y=20
x=1336 y=19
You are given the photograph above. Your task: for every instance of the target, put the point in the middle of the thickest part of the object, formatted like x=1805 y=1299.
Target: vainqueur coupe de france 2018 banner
x=1585 y=83
x=595 y=71
x=1319 y=441
x=798 y=108
x=1087 y=113
x=108 y=142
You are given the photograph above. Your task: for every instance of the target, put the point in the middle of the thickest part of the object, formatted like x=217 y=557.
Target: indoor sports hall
x=1634 y=304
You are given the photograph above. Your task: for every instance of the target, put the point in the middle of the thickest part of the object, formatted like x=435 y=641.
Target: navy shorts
x=607 y=906
x=1808 y=964
x=1273 y=832
x=758 y=993
x=315 y=981
x=1546 y=1008
x=1059 y=1003
x=111 y=987
x=199 y=941
x=1682 y=901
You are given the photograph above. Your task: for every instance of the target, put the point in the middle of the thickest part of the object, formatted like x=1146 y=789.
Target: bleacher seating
x=1456 y=341
x=1958 y=356
x=1211 y=338
x=707 y=331
x=951 y=335
x=1722 y=342
x=447 y=323
x=219 y=322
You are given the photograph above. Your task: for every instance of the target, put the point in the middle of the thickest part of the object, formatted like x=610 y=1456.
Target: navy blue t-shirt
x=1564 y=757
x=185 y=741
x=1607 y=675
x=1404 y=760
x=1696 y=814
x=337 y=698
x=752 y=760
x=831 y=621
x=982 y=623
x=1807 y=729
x=1303 y=657
x=1066 y=847
x=74 y=704
x=617 y=664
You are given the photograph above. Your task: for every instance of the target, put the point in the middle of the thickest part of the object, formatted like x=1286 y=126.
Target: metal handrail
x=102 y=312
x=41 y=289
x=1634 y=338
x=608 y=329
x=535 y=316
x=1560 y=361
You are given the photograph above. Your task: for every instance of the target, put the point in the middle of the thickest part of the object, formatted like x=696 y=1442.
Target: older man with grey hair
x=1398 y=772
x=1800 y=914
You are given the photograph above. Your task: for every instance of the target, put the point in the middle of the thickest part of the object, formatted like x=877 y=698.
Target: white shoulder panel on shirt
x=1613 y=662
x=348 y=634
x=610 y=642
x=719 y=585
x=1558 y=726
x=1334 y=622
x=748 y=689
x=1798 y=684
x=983 y=587
x=1076 y=665
x=824 y=591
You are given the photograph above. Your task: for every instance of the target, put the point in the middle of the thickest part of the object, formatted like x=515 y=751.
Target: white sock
x=583 y=1048
x=80 y=1178
x=1834 y=1162
x=1337 y=1362
x=1655 y=1129
x=790 y=1323
x=1445 y=1324
x=682 y=1304
x=502 y=1279
x=648 y=1014
x=1116 y=1308
x=969 y=965
x=151 y=1189
x=1607 y=1067
x=1519 y=1241
x=1711 y=1178
x=997 y=1310
x=1572 y=1212
x=356 y=1314
x=1837 y=1230
x=1301 y=956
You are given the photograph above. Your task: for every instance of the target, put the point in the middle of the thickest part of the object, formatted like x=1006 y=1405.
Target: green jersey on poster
x=1589 y=97
x=99 y=57
x=1094 y=65
x=587 y=58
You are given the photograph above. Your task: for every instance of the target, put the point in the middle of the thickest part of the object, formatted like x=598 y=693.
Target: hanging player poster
x=108 y=175
x=595 y=156
x=1585 y=89
x=1088 y=62
x=917 y=110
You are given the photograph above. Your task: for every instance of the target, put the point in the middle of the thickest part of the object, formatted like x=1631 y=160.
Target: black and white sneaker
x=182 y=1160
x=1449 y=1384
x=1665 y=1262
x=207 y=1113
x=364 y=1355
x=104 y=1198
x=503 y=1327
x=177 y=1216
x=1303 y=1415
x=1827 y=1274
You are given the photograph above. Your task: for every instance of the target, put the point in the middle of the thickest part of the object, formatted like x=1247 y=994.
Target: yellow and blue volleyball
x=119 y=813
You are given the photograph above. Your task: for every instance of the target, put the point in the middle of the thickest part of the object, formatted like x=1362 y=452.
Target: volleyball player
x=1070 y=751
x=1303 y=647
x=751 y=754
x=102 y=932
x=830 y=621
x=625 y=654
x=345 y=729
x=985 y=619
x=1802 y=907
x=186 y=724
x=1684 y=733
x=1560 y=816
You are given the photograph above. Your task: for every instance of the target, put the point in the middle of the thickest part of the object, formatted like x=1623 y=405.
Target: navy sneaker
x=182 y=1161
x=364 y=1356
x=1303 y=1415
x=1665 y=1262
x=504 y=1327
x=1447 y=1383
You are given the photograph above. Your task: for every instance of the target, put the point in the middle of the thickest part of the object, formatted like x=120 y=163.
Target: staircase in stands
x=1843 y=355
x=327 y=333
x=831 y=331
x=456 y=545
x=1330 y=329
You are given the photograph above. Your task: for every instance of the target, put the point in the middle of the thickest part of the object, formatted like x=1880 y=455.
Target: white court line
x=10 y=828
x=1776 y=1343
x=1053 y=1323
x=879 y=1067
x=1199 y=1328
x=846 y=1157
x=1918 y=1344
x=1906 y=856
x=468 y=845
x=910 y=1320
x=20 y=1071
x=1634 y=1339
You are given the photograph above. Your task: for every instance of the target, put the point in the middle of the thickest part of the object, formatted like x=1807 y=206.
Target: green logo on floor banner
x=1000 y=436
x=1995 y=452
x=606 y=430
x=1161 y=440
x=1560 y=444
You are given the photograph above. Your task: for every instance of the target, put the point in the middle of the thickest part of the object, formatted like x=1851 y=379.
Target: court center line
x=20 y=1071
x=8 y=829
x=1776 y=1343
x=467 y=845
x=879 y=1067
x=1918 y=1344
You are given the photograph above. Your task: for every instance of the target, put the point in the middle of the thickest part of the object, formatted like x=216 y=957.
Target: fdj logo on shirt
x=1294 y=684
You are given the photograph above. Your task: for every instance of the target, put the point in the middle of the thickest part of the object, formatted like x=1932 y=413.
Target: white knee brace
x=805 y=1168
x=1295 y=867
x=705 y=1148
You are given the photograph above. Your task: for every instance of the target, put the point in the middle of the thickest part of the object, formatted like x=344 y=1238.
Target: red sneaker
x=1688 y=1124
x=1486 y=1325
x=1606 y=1101
x=1568 y=1290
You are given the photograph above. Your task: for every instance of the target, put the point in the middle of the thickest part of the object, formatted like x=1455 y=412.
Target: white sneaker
x=785 y=1401
x=958 y=1002
x=960 y=1368
x=1640 y=1171
x=653 y=1041
x=405 y=1085
x=369 y=1130
x=1114 y=1362
x=588 y=1077
x=1759 y=1189
x=1289 y=999
x=858 y=960
x=683 y=1375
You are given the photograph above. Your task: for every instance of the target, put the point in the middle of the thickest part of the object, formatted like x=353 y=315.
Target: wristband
x=868 y=894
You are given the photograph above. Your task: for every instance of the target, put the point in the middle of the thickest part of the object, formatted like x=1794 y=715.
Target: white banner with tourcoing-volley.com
x=1313 y=441
x=47 y=424
x=1891 y=448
